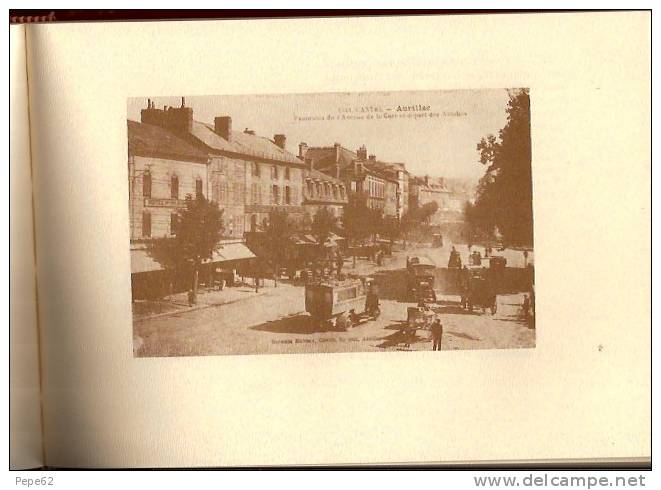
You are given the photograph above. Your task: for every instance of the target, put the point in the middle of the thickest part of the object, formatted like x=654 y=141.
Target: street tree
x=197 y=236
x=391 y=228
x=357 y=220
x=323 y=224
x=504 y=193
x=407 y=224
x=426 y=211
x=279 y=231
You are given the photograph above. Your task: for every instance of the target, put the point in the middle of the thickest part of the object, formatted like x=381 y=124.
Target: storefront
x=150 y=281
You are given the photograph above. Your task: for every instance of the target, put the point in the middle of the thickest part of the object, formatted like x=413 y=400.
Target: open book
x=331 y=241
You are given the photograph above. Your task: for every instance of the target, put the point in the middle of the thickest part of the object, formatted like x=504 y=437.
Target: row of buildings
x=171 y=155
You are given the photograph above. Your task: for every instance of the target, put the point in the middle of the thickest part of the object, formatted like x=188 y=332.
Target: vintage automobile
x=479 y=291
x=420 y=279
x=341 y=304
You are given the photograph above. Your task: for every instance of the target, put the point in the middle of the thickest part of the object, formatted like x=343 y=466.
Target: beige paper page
x=583 y=392
x=25 y=404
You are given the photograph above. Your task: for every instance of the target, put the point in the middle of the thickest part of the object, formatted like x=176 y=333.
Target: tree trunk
x=196 y=274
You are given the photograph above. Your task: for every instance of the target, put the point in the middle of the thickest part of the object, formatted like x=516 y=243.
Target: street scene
x=241 y=245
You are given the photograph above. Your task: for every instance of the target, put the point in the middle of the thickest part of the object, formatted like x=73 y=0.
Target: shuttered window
x=146 y=224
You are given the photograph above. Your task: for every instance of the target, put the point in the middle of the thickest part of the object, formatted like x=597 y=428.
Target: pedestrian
x=526 y=305
x=436 y=334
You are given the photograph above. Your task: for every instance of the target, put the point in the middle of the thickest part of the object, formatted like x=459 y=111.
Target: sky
x=439 y=141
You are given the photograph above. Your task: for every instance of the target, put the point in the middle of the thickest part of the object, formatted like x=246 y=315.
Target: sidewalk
x=178 y=303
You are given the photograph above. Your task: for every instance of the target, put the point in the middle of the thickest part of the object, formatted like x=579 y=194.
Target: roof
x=381 y=171
x=153 y=141
x=242 y=143
x=317 y=175
x=324 y=157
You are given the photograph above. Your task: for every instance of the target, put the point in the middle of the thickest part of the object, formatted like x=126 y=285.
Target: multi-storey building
x=321 y=190
x=249 y=175
x=163 y=169
x=363 y=177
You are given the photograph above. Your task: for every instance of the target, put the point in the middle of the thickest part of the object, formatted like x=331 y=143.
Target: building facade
x=249 y=175
x=381 y=185
x=321 y=190
x=162 y=171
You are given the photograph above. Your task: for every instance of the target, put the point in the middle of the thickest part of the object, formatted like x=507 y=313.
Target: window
x=274 y=172
x=146 y=224
x=254 y=192
x=287 y=173
x=334 y=191
x=174 y=221
x=275 y=195
x=146 y=184
x=174 y=187
x=255 y=169
x=198 y=188
x=287 y=195
x=221 y=192
x=239 y=191
x=310 y=188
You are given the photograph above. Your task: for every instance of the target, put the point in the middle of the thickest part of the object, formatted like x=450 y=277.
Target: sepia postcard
x=331 y=222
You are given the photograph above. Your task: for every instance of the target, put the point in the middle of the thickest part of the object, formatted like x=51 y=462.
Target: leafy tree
x=357 y=218
x=198 y=233
x=426 y=211
x=279 y=230
x=504 y=193
x=323 y=224
x=391 y=228
x=408 y=223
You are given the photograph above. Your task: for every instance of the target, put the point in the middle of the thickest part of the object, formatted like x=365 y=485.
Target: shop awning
x=142 y=262
x=232 y=251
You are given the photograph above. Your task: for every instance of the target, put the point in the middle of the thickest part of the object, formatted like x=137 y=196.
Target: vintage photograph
x=331 y=222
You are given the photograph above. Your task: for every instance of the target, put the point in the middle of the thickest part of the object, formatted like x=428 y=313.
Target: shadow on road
x=462 y=335
x=297 y=324
x=454 y=310
x=399 y=338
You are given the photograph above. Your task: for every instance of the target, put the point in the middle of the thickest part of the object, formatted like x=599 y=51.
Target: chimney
x=362 y=153
x=249 y=131
x=337 y=152
x=183 y=102
x=302 y=150
x=223 y=127
x=280 y=140
x=175 y=119
x=337 y=170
